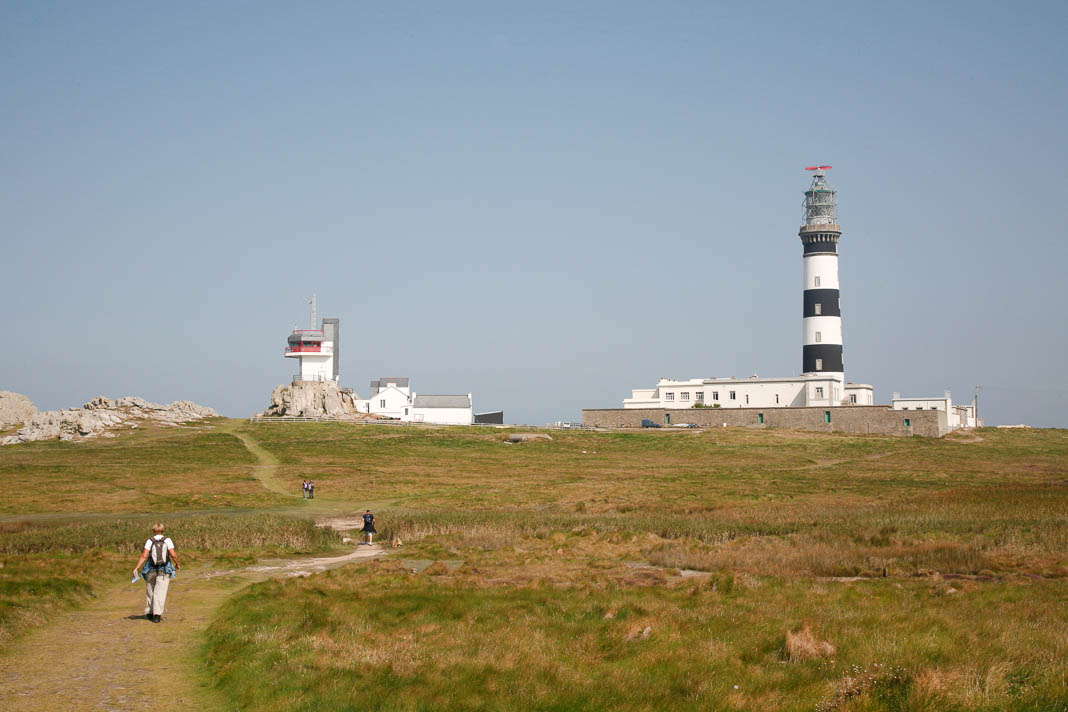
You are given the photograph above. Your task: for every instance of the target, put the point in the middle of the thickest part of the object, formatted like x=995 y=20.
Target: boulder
x=527 y=437
x=311 y=399
x=102 y=414
x=15 y=409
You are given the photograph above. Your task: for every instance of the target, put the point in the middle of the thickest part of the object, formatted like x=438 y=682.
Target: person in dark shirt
x=369 y=526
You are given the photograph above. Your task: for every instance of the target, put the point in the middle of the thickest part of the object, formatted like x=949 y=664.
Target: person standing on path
x=160 y=565
x=303 y=489
x=311 y=489
x=369 y=526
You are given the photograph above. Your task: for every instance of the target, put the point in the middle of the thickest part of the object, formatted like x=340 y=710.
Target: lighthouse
x=822 y=333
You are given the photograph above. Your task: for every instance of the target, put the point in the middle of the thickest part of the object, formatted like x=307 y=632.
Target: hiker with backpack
x=159 y=565
x=369 y=527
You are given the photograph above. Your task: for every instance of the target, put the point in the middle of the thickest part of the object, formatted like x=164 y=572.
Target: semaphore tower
x=822 y=339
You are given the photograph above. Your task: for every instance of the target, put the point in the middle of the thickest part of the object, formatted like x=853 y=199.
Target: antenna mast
x=312 y=302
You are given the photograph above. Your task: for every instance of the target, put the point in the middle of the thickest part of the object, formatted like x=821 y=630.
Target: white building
x=957 y=416
x=392 y=397
x=443 y=409
x=752 y=392
x=389 y=398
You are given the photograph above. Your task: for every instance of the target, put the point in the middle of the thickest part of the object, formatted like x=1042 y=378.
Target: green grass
x=936 y=570
x=150 y=469
x=374 y=637
x=48 y=567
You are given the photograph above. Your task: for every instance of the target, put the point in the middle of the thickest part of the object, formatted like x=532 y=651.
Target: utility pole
x=975 y=405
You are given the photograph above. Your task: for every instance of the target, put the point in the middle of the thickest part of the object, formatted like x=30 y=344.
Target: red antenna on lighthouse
x=817 y=168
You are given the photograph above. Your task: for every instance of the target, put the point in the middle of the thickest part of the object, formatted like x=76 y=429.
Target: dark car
x=646 y=423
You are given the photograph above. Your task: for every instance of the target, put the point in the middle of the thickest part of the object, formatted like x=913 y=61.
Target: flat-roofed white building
x=752 y=392
x=957 y=416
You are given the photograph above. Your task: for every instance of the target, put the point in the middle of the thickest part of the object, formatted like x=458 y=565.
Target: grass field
x=725 y=569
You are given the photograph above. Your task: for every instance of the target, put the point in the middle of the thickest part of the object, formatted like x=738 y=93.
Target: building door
x=667 y=417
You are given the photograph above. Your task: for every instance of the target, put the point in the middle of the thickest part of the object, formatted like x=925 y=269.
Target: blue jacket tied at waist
x=167 y=568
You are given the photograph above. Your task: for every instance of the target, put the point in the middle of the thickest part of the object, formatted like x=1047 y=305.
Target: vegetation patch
x=490 y=638
x=47 y=567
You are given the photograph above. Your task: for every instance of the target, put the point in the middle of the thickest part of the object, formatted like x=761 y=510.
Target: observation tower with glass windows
x=316 y=348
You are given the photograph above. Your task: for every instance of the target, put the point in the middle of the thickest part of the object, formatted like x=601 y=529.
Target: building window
x=819 y=309
x=776 y=399
x=669 y=396
x=819 y=337
x=908 y=423
x=685 y=395
x=699 y=396
x=732 y=395
x=747 y=399
x=817 y=281
x=406 y=411
x=852 y=397
x=382 y=403
x=715 y=395
x=819 y=391
x=819 y=364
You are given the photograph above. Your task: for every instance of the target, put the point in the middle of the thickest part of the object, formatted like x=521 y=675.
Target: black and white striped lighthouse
x=822 y=350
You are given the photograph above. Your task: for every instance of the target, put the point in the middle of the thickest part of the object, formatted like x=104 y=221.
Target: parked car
x=646 y=423
x=685 y=425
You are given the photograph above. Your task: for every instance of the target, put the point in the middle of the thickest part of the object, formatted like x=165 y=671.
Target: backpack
x=158 y=554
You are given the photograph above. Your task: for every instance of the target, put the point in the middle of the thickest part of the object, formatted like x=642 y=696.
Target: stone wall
x=857 y=419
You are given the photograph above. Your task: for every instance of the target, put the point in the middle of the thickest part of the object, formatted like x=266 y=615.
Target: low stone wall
x=857 y=419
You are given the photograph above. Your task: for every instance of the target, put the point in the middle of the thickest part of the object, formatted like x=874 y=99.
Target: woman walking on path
x=160 y=565
x=369 y=526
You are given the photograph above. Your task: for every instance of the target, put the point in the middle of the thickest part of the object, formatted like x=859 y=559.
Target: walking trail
x=106 y=656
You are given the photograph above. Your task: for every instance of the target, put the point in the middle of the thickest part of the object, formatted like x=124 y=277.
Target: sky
x=545 y=204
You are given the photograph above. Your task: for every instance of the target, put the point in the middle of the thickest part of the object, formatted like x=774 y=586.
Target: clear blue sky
x=547 y=204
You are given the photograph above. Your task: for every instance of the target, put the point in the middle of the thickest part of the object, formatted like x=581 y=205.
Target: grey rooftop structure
x=381 y=383
x=429 y=401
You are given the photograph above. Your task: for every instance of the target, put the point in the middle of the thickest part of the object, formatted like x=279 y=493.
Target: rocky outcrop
x=103 y=414
x=15 y=409
x=311 y=399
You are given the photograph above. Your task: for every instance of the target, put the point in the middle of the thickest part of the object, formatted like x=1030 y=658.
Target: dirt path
x=106 y=656
x=266 y=471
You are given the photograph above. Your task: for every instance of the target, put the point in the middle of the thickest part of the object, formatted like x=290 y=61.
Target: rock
x=311 y=399
x=102 y=414
x=15 y=409
x=527 y=437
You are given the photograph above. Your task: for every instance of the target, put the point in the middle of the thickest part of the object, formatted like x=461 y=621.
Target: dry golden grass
x=803 y=644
